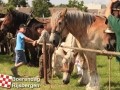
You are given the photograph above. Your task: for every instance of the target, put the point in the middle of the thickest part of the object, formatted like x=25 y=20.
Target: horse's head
x=12 y=21
x=67 y=66
x=7 y=22
x=110 y=39
x=58 y=26
x=63 y=63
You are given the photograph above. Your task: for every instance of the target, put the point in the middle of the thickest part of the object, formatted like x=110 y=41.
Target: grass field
x=56 y=84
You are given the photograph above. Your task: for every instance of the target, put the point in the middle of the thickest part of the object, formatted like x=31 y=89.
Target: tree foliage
x=17 y=2
x=41 y=7
x=1 y=2
x=78 y=4
x=23 y=3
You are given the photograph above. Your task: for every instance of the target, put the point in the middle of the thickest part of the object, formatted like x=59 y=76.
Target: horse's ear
x=63 y=13
x=31 y=13
x=8 y=10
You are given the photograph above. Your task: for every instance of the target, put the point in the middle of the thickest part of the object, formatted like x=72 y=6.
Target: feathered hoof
x=82 y=82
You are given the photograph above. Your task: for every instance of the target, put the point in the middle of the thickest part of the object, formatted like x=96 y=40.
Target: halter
x=29 y=19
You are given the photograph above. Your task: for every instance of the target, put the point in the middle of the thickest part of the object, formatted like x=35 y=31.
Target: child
x=20 y=58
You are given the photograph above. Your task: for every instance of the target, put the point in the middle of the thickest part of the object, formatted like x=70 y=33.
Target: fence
x=102 y=52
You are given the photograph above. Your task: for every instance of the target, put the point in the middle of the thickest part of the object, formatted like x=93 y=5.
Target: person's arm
x=28 y=40
x=41 y=38
x=108 y=9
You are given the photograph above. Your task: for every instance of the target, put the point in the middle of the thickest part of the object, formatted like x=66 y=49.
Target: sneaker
x=14 y=71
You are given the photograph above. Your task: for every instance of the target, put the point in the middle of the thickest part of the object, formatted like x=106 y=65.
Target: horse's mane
x=21 y=17
x=81 y=19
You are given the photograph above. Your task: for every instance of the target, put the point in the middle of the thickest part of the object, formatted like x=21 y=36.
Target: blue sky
x=57 y=2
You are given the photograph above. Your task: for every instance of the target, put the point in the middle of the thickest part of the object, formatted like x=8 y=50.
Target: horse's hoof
x=82 y=82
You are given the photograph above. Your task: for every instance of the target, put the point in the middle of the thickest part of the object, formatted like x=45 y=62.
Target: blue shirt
x=20 y=44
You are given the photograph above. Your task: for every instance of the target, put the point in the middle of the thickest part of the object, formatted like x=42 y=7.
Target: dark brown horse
x=89 y=30
x=11 y=23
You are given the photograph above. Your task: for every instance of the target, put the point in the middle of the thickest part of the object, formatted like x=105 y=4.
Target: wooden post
x=109 y=58
x=44 y=62
x=50 y=62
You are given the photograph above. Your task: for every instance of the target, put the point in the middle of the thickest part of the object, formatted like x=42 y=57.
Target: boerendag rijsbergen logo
x=7 y=81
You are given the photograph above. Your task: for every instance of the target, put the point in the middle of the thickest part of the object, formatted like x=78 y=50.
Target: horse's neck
x=70 y=40
x=20 y=17
x=78 y=23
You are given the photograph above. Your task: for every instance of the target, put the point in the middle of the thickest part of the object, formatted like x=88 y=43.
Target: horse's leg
x=27 y=54
x=92 y=71
x=57 y=61
x=34 y=60
x=2 y=49
x=7 y=51
x=84 y=79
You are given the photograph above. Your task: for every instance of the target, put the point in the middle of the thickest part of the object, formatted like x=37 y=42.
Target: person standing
x=20 y=58
x=43 y=35
x=113 y=15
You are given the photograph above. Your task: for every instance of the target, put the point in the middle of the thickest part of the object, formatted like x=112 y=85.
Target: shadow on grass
x=79 y=85
x=116 y=85
x=101 y=66
x=6 y=59
x=74 y=76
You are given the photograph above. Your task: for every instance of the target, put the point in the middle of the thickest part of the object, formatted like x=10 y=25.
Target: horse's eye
x=60 y=23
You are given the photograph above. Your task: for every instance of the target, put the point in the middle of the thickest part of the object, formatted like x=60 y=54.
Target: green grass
x=56 y=84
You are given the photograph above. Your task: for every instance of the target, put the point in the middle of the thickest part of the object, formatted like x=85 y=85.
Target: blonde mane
x=79 y=20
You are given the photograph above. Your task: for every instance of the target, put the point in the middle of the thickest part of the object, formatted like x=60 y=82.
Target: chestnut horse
x=89 y=30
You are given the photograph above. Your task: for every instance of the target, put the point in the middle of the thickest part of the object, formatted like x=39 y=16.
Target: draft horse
x=63 y=56
x=11 y=24
x=89 y=30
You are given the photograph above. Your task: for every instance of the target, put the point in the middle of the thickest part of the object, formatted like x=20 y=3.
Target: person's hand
x=34 y=43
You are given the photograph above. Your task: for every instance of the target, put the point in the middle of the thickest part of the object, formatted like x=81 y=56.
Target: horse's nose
x=54 y=42
x=66 y=81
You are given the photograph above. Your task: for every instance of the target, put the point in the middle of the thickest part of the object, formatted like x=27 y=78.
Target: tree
x=23 y=3
x=41 y=7
x=62 y=5
x=1 y=2
x=17 y=2
x=78 y=4
x=13 y=2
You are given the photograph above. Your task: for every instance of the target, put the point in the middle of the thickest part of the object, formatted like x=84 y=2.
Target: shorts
x=20 y=56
